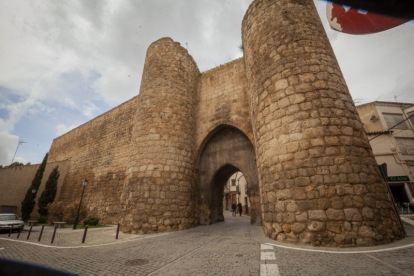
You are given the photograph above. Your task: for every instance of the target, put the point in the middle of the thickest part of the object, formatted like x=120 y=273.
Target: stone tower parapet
x=318 y=178
x=159 y=189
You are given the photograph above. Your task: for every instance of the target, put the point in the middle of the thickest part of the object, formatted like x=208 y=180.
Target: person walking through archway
x=240 y=208
x=233 y=207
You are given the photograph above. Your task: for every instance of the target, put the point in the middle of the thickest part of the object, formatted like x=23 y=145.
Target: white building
x=235 y=190
x=390 y=131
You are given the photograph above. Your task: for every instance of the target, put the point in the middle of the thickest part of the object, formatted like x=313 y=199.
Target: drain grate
x=137 y=262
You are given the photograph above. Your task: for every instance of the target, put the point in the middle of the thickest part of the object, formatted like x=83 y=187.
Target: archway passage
x=236 y=192
x=227 y=151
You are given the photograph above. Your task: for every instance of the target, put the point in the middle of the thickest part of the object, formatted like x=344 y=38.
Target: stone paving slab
x=233 y=247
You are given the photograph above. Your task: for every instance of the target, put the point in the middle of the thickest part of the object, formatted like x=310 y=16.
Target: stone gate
x=282 y=115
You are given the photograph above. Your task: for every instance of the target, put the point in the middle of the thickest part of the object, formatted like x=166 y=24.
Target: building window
x=393 y=119
x=406 y=145
x=233 y=182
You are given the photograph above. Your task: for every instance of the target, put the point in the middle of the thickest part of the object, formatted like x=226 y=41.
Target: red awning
x=353 y=21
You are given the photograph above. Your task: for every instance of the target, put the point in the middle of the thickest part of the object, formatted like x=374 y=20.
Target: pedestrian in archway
x=233 y=207
x=240 y=208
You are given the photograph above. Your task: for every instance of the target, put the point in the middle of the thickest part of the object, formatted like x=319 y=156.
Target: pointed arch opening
x=224 y=153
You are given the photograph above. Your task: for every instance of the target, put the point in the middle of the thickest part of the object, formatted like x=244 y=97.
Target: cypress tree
x=49 y=193
x=29 y=202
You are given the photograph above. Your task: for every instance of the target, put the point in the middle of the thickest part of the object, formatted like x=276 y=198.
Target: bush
x=71 y=210
x=42 y=219
x=55 y=211
x=91 y=221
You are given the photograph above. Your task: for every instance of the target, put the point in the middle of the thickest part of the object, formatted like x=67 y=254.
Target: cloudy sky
x=63 y=63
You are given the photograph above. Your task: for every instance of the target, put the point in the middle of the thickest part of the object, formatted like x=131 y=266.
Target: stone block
x=298 y=227
x=368 y=213
x=317 y=142
x=292 y=147
x=283 y=194
x=335 y=227
x=277 y=227
x=308 y=77
x=344 y=189
x=335 y=214
x=352 y=214
x=271 y=197
x=316 y=179
x=360 y=189
x=302 y=181
x=302 y=217
x=286 y=228
x=323 y=203
x=291 y=207
x=316 y=226
x=298 y=193
x=330 y=178
x=366 y=232
x=347 y=200
x=289 y=217
x=317 y=215
x=305 y=205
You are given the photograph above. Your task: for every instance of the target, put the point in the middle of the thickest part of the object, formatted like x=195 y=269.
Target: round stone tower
x=318 y=178
x=159 y=189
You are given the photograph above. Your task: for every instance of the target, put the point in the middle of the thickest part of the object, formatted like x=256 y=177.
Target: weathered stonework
x=282 y=115
x=324 y=187
x=159 y=189
x=99 y=151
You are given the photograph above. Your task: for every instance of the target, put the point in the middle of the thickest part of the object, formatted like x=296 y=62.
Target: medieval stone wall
x=319 y=180
x=99 y=151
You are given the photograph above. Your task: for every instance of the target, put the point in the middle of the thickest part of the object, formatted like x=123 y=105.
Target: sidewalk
x=67 y=237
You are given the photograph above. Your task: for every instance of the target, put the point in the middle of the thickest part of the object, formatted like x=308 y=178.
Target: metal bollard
x=117 y=231
x=11 y=229
x=30 y=231
x=84 y=234
x=41 y=232
x=21 y=229
x=54 y=233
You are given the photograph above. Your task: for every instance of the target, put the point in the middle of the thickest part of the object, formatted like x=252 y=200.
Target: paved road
x=233 y=247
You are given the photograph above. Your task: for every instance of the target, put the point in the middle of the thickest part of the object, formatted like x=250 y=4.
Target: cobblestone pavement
x=233 y=247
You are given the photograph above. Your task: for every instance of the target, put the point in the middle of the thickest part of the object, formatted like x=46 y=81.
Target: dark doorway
x=398 y=192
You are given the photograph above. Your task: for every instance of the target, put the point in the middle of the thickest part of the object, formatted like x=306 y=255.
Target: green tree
x=29 y=202
x=15 y=164
x=49 y=193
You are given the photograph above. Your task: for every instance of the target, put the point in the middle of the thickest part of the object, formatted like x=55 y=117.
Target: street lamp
x=21 y=142
x=85 y=182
